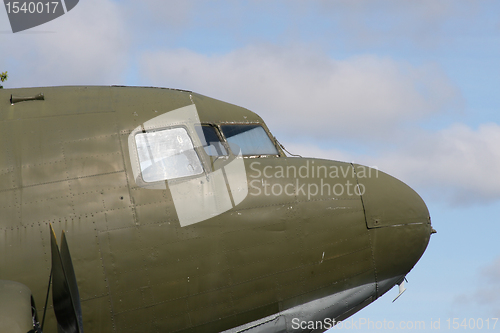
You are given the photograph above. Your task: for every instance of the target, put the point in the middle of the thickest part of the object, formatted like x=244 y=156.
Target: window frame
x=221 y=137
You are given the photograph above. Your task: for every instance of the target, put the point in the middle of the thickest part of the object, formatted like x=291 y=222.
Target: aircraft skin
x=261 y=266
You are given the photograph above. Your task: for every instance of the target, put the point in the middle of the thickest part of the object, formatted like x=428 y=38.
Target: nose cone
x=399 y=224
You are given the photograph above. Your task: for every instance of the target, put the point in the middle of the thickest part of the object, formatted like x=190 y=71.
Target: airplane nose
x=399 y=223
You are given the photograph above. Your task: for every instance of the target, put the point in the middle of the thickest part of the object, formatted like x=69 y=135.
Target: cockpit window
x=251 y=139
x=212 y=145
x=166 y=154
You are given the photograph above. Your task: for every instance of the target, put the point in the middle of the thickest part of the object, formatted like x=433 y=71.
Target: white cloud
x=87 y=45
x=315 y=95
x=458 y=164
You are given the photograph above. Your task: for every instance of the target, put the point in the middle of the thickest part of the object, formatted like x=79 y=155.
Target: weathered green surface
x=65 y=161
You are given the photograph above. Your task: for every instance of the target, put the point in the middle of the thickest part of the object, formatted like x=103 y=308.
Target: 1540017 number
x=31 y=7
x=472 y=323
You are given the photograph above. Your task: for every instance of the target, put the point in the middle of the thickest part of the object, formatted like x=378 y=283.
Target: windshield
x=251 y=139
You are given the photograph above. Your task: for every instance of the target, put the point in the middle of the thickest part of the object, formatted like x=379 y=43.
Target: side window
x=252 y=139
x=213 y=146
x=166 y=154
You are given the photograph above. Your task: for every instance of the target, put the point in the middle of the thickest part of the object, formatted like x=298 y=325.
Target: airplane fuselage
x=297 y=238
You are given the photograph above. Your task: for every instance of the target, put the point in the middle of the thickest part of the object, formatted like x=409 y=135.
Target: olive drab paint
x=169 y=231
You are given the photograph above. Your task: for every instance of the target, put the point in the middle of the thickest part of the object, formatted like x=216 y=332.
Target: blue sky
x=411 y=87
